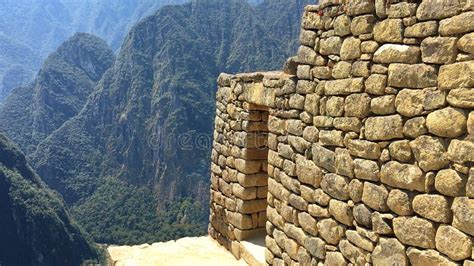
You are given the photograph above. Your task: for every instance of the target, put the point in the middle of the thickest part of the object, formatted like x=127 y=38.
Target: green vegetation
x=36 y=227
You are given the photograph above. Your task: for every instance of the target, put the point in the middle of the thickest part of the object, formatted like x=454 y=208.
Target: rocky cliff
x=59 y=92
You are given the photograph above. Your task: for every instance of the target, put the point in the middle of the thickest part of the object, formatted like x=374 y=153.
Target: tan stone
x=305 y=86
x=335 y=106
x=389 y=251
x=362 y=24
x=384 y=127
x=389 y=30
x=330 y=231
x=360 y=69
x=358 y=7
x=411 y=76
x=357 y=105
x=356 y=189
x=334 y=259
x=318 y=211
x=401 y=10
x=450 y=183
x=422 y=29
x=463 y=98
x=344 y=163
x=410 y=102
x=456 y=75
x=466 y=43
x=383 y=105
x=341 y=70
x=437 y=9
x=415 y=127
x=433 y=207
x=308 y=37
x=350 y=49
x=439 y=50
x=364 y=149
x=397 y=53
x=381 y=223
x=316 y=247
x=331 y=45
x=342 y=25
x=428 y=257
x=308 y=223
x=352 y=253
x=458 y=24
x=434 y=98
x=375 y=196
x=307 y=55
x=430 y=152
x=403 y=176
x=344 y=86
x=415 y=231
x=400 y=150
x=366 y=170
x=355 y=238
x=463 y=213
x=399 y=202
x=461 y=151
x=348 y=123
x=251 y=206
x=453 y=243
x=448 y=122
x=375 y=84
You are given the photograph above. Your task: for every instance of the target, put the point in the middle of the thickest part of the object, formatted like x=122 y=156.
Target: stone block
x=448 y=122
x=331 y=231
x=458 y=24
x=433 y=207
x=336 y=186
x=415 y=231
x=389 y=251
x=456 y=75
x=397 y=53
x=344 y=86
x=384 y=127
x=430 y=152
x=389 y=31
x=412 y=76
x=439 y=50
x=375 y=196
x=405 y=176
x=453 y=243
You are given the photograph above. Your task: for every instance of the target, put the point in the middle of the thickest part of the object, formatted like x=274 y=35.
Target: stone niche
x=363 y=151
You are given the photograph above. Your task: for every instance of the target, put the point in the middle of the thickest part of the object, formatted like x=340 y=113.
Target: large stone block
x=433 y=207
x=324 y=158
x=405 y=176
x=336 y=186
x=389 y=30
x=366 y=170
x=456 y=75
x=330 y=46
x=437 y=9
x=463 y=215
x=430 y=152
x=399 y=202
x=384 y=127
x=466 y=43
x=448 y=122
x=461 y=151
x=458 y=24
x=362 y=24
x=375 y=196
x=364 y=149
x=359 y=7
x=341 y=211
x=452 y=242
x=462 y=98
x=389 y=251
x=439 y=50
x=357 y=105
x=344 y=86
x=331 y=231
x=350 y=49
x=422 y=29
x=415 y=231
x=397 y=53
x=412 y=76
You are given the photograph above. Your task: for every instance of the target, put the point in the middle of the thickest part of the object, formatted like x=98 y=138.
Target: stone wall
x=370 y=143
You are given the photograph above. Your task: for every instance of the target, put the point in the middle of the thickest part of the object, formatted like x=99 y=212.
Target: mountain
x=59 y=92
x=36 y=228
x=133 y=164
x=31 y=30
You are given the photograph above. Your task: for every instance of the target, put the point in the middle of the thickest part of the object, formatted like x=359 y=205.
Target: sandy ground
x=192 y=251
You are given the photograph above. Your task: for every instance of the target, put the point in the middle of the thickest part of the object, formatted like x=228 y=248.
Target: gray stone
x=336 y=186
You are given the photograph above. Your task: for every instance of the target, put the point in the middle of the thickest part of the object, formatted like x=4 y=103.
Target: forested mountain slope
x=59 y=92
x=36 y=228
x=31 y=30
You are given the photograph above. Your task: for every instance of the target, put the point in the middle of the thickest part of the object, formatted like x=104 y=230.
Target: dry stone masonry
x=362 y=152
